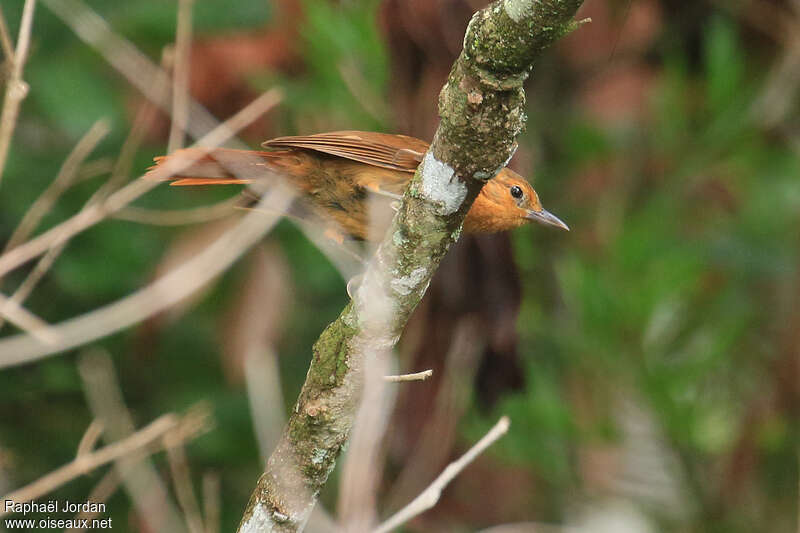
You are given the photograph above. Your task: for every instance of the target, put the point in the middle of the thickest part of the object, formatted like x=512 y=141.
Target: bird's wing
x=394 y=152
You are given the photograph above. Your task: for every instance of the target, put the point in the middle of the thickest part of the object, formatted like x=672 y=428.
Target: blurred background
x=649 y=360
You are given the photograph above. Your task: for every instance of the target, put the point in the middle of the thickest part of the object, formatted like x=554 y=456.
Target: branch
x=430 y=496
x=482 y=111
x=417 y=376
x=180 y=76
x=5 y=42
x=16 y=88
x=63 y=180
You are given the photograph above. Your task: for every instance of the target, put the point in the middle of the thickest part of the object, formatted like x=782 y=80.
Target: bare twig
x=27 y=321
x=211 y=498
x=5 y=40
x=264 y=393
x=29 y=283
x=182 y=481
x=121 y=169
x=89 y=439
x=180 y=76
x=358 y=86
x=362 y=469
x=148 y=438
x=101 y=492
x=16 y=88
x=417 y=376
x=438 y=434
x=93 y=214
x=532 y=527
x=430 y=496
x=94 y=168
x=779 y=93
x=179 y=217
x=140 y=71
x=65 y=177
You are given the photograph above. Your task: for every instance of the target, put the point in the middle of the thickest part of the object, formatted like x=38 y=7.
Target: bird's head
x=506 y=202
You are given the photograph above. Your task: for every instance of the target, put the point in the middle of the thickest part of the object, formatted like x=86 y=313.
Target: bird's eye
x=516 y=191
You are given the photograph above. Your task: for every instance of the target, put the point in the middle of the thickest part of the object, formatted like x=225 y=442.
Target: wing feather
x=394 y=152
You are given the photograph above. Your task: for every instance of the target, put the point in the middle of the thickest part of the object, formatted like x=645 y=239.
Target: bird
x=340 y=174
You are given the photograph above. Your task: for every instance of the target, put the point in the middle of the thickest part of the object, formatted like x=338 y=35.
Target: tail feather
x=220 y=166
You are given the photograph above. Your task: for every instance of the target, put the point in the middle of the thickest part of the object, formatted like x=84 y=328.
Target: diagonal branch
x=482 y=111
x=430 y=496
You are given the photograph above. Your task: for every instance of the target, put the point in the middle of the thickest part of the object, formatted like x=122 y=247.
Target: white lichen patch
x=405 y=284
x=518 y=9
x=441 y=186
x=318 y=457
x=260 y=521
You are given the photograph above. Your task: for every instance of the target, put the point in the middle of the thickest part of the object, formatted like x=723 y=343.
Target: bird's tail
x=219 y=166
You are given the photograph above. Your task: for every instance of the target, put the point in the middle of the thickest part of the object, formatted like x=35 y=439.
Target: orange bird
x=338 y=174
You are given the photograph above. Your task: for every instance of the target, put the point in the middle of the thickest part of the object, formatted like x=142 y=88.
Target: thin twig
x=140 y=71
x=438 y=434
x=16 y=88
x=359 y=87
x=211 y=498
x=5 y=40
x=262 y=376
x=145 y=438
x=94 y=168
x=363 y=465
x=101 y=492
x=418 y=376
x=532 y=527
x=63 y=180
x=180 y=76
x=33 y=278
x=120 y=171
x=93 y=214
x=27 y=321
x=89 y=439
x=182 y=481
x=179 y=217
x=430 y=496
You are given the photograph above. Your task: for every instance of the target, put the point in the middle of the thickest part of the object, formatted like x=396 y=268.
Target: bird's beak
x=547 y=218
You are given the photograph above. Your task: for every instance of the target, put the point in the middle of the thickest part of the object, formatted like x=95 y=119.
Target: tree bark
x=482 y=111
